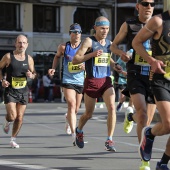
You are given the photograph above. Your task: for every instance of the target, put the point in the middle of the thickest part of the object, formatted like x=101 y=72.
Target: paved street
x=44 y=144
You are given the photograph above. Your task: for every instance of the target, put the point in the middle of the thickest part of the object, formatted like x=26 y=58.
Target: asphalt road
x=44 y=145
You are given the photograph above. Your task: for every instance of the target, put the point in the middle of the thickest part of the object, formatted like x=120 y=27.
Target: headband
x=101 y=23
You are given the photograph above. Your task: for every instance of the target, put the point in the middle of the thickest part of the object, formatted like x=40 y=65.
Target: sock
x=130 y=117
x=79 y=131
x=165 y=159
x=149 y=134
x=13 y=138
x=109 y=138
x=73 y=136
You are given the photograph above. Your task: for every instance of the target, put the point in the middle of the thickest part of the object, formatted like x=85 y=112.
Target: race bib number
x=140 y=61
x=19 y=82
x=167 y=70
x=102 y=60
x=74 y=68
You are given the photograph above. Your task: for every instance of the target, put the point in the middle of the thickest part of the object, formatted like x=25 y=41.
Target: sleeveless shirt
x=137 y=64
x=16 y=74
x=99 y=67
x=71 y=74
x=161 y=46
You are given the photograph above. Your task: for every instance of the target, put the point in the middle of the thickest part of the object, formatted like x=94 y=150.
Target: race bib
x=167 y=70
x=140 y=61
x=19 y=82
x=74 y=68
x=102 y=60
x=166 y=60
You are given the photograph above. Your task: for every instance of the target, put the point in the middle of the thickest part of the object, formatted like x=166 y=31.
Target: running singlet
x=71 y=74
x=161 y=47
x=137 y=63
x=16 y=74
x=99 y=67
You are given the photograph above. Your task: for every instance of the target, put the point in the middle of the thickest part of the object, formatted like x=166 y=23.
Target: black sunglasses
x=75 y=32
x=146 y=4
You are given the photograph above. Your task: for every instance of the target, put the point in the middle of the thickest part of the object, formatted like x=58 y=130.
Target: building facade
x=46 y=23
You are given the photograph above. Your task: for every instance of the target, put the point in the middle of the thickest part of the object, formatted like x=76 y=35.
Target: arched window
x=86 y=18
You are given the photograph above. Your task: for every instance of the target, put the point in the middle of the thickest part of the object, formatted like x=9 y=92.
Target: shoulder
x=7 y=57
x=62 y=46
x=30 y=59
x=87 y=42
x=156 y=21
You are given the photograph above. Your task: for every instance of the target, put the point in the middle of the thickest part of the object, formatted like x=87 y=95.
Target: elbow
x=75 y=61
x=135 y=44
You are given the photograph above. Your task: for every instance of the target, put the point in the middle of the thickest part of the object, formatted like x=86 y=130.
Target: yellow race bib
x=102 y=60
x=167 y=70
x=140 y=61
x=166 y=60
x=19 y=82
x=74 y=68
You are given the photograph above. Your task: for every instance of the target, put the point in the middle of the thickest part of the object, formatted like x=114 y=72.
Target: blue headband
x=102 y=23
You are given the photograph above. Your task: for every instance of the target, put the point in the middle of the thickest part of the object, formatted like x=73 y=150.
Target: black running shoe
x=79 y=139
x=109 y=146
x=145 y=147
x=161 y=166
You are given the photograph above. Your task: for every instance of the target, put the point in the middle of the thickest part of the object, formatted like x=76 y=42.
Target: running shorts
x=12 y=95
x=137 y=83
x=77 y=88
x=161 y=89
x=95 y=87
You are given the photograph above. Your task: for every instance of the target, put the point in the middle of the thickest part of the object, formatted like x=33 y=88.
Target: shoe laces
x=80 y=137
x=110 y=142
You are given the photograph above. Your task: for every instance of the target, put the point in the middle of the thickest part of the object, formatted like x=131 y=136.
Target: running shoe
x=145 y=147
x=119 y=107
x=67 y=126
x=14 y=144
x=109 y=146
x=144 y=166
x=128 y=125
x=79 y=139
x=6 y=127
x=161 y=166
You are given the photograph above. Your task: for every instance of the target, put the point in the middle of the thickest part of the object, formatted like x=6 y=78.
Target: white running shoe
x=14 y=144
x=128 y=125
x=67 y=126
x=6 y=127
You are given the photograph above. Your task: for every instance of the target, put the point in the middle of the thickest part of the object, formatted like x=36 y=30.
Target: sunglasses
x=146 y=4
x=76 y=32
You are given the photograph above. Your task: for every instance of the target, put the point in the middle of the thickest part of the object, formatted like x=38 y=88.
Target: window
x=86 y=18
x=46 y=18
x=10 y=17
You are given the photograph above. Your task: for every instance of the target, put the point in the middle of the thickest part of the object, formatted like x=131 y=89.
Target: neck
x=74 y=43
x=144 y=20
x=101 y=41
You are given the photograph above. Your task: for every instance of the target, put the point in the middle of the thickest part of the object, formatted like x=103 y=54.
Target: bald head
x=21 y=37
x=101 y=18
x=102 y=21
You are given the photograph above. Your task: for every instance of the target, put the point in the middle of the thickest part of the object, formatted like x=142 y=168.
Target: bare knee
x=10 y=117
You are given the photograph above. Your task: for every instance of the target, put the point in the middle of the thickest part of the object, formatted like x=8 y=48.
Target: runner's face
x=102 y=31
x=21 y=44
x=145 y=12
x=75 y=36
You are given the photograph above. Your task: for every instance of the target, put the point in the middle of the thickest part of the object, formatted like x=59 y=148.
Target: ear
x=137 y=7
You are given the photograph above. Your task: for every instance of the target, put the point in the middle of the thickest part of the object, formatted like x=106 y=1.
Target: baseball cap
x=75 y=27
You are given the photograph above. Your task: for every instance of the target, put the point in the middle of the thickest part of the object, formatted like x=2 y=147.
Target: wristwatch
x=3 y=79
